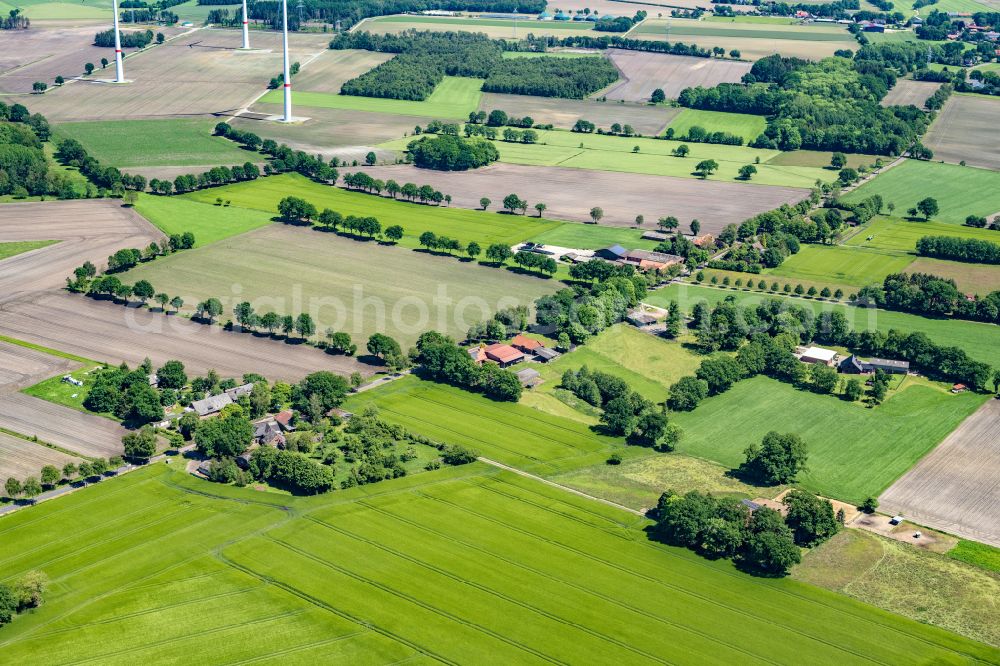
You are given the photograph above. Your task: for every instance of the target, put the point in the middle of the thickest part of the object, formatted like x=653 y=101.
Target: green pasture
x=979 y=340
x=209 y=222
x=959 y=6
x=982 y=555
x=768 y=31
x=594 y=237
x=64 y=10
x=470 y=23
x=507 y=432
x=960 y=191
x=742 y=18
x=613 y=153
x=745 y=125
x=55 y=390
x=146 y=143
x=820 y=159
x=837 y=265
x=463 y=564
x=452 y=99
x=192 y=11
x=854 y=452
x=13 y=248
x=464 y=224
x=896 y=234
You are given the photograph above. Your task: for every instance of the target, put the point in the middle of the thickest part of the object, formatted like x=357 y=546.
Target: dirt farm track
x=956 y=487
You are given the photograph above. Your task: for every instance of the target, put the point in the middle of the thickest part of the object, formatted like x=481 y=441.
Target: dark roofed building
x=655 y=236
x=852 y=365
x=613 y=253
x=888 y=365
x=529 y=377
x=544 y=354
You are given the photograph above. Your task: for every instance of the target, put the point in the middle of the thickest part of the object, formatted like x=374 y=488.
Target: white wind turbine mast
x=119 y=65
x=287 y=77
x=246 y=27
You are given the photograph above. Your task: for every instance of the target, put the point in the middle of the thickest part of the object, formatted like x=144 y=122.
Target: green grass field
x=745 y=125
x=741 y=18
x=901 y=235
x=836 y=265
x=854 y=452
x=207 y=221
x=349 y=285
x=463 y=564
x=756 y=30
x=142 y=143
x=969 y=6
x=960 y=191
x=593 y=237
x=55 y=390
x=453 y=99
x=916 y=583
x=8 y=250
x=65 y=10
x=466 y=225
x=611 y=153
x=979 y=340
x=510 y=433
x=980 y=554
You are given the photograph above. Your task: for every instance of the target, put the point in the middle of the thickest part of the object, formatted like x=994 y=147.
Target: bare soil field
x=910 y=92
x=955 y=487
x=970 y=278
x=330 y=131
x=564 y=113
x=966 y=129
x=20 y=458
x=644 y=72
x=569 y=194
x=329 y=71
x=201 y=73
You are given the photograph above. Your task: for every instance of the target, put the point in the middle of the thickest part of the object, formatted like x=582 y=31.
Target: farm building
x=655 y=236
x=640 y=319
x=529 y=377
x=267 y=431
x=525 y=344
x=284 y=419
x=211 y=405
x=852 y=365
x=544 y=354
x=648 y=260
x=818 y=355
x=703 y=240
x=503 y=355
x=613 y=253
x=237 y=392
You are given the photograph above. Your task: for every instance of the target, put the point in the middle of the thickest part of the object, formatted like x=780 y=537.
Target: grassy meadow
x=208 y=222
x=979 y=340
x=614 y=153
x=496 y=28
x=837 y=265
x=593 y=237
x=745 y=125
x=465 y=563
x=853 y=451
x=980 y=554
x=145 y=143
x=464 y=224
x=14 y=248
x=452 y=99
x=901 y=235
x=960 y=191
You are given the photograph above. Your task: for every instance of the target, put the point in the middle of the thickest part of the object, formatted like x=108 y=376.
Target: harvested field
x=495 y=28
x=21 y=458
x=563 y=113
x=109 y=332
x=291 y=270
x=966 y=129
x=623 y=8
x=202 y=73
x=954 y=488
x=970 y=278
x=329 y=131
x=571 y=193
x=644 y=72
x=330 y=70
x=21 y=367
x=86 y=434
x=907 y=91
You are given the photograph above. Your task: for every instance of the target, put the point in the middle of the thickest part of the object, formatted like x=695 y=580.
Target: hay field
x=745 y=125
x=20 y=458
x=353 y=286
x=207 y=221
x=644 y=72
x=960 y=191
x=955 y=487
x=966 y=129
x=140 y=143
x=901 y=235
x=853 y=451
x=461 y=564
x=569 y=194
x=329 y=71
x=452 y=99
x=971 y=278
x=979 y=340
x=202 y=73
x=907 y=91
x=837 y=265
x=563 y=113
x=752 y=40
x=495 y=28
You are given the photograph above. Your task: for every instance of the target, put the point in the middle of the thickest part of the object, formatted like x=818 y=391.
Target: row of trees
x=407 y=191
x=220 y=175
x=930 y=295
x=23 y=166
x=970 y=250
x=296 y=210
x=698 y=134
x=775 y=287
x=129 y=40
x=71 y=153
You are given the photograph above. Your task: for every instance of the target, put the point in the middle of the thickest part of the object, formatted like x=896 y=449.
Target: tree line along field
x=745 y=125
x=142 y=143
x=460 y=564
x=613 y=153
x=960 y=191
x=981 y=341
x=645 y=72
x=453 y=99
x=348 y=285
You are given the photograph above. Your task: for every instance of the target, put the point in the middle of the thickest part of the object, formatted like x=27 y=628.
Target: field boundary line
x=303 y=646
x=573 y=491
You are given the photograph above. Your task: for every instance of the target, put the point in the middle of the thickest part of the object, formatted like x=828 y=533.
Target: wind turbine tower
x=119 y=65
x=287 y=76
x=246 y=27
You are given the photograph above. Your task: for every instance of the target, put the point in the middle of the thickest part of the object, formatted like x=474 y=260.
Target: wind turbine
x=119 y=65
x=287 y=79
x=246 y=27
